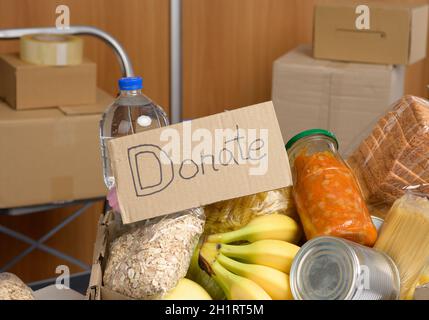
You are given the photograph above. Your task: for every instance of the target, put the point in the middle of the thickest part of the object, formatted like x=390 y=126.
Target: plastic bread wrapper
x=233 y=214
x=394 y=159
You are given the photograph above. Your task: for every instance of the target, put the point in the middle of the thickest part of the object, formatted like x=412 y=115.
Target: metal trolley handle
x=124 y=60
x=127 y=71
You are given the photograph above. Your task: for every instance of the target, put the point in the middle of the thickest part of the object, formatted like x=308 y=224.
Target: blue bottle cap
x=131 y=83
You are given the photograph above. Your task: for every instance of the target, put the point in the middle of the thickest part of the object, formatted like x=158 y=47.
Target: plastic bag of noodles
x=233 y=214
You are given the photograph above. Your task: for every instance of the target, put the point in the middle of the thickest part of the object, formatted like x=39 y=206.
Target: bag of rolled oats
x=12 y=288
x=147 y=259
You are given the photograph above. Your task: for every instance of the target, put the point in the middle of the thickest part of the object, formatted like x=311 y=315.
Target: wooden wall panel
x=142 y=26
x=229 y=48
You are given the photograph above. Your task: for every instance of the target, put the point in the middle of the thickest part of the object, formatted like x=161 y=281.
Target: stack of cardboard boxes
x=49 y=139
x=354 y=71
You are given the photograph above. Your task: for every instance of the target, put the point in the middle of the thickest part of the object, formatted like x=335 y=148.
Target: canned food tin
x=329 y=268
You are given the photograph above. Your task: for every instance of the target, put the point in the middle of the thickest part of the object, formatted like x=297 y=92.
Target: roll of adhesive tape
x=52 y=49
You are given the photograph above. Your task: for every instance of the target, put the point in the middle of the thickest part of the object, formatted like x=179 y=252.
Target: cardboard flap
x=53 y=293
x=103 y=101
x=195 y=163
x=95 y=281
x=81 y=110
x=106 y=294
x=100 y=241
x=422 y=292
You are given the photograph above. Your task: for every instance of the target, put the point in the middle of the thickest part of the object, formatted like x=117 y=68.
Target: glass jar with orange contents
x=327 y=195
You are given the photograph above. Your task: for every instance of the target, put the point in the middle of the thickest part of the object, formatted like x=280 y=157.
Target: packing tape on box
x=51 y=49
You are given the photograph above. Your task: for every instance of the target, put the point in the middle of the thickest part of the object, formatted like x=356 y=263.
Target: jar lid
x=311 y=132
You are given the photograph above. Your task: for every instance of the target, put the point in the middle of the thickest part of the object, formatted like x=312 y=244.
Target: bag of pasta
x=230 y=215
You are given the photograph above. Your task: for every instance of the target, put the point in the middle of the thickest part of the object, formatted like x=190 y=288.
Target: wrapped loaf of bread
x=12 y=288
x=394 y=158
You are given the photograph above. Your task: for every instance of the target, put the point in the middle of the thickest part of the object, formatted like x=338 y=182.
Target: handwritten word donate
x=190 y=153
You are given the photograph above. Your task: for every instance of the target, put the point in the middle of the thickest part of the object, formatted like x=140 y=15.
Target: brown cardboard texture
x=397 y=32
x=49 y=156
x=343 y=97
x=28 y=86
x=422 y=292
x=53 y=293
x=107 y=229
x=151 y=181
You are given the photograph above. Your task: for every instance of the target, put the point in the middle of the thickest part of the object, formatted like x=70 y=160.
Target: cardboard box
x=50 y=155
x=107 y=229
x=28 y=86
x=108 y=225
x=345 y=98
x=397 y=34
x=422 y=292
x=227 y=155
x=53 y=293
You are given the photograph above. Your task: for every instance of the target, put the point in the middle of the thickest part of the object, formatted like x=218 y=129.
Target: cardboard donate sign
x=194 y=163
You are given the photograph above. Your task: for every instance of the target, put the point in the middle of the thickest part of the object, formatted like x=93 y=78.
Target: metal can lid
x=311 y=132
x=325 y=268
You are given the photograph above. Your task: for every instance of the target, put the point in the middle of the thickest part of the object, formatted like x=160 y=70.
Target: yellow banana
x=271 y=253
x=273 y=226
x=273 y=281
x=234 y=286
x=187 y=290
x=424 y=277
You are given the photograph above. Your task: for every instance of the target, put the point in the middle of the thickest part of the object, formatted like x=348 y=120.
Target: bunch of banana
x=187 y=290
x=253 y=263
